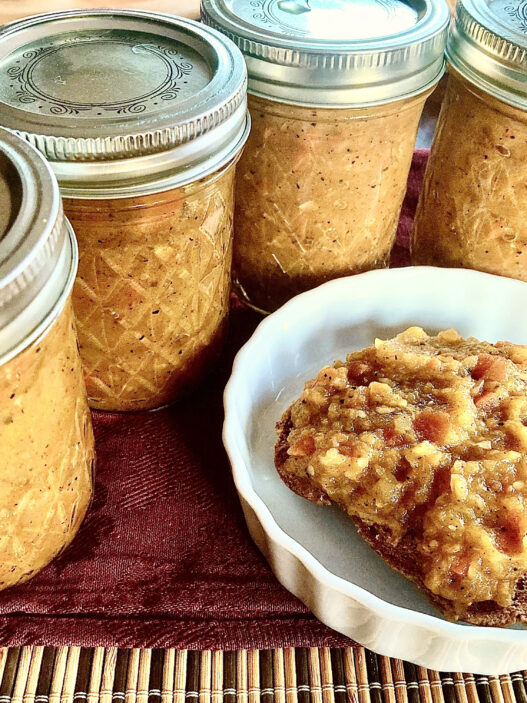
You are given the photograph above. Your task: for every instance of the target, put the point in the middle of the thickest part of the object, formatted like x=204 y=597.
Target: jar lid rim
x=88 y=86
x=33 y=232
x=488 y=45
x=287 y=59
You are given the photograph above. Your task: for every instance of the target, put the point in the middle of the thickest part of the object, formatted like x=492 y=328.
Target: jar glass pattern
x=318 y=194
x=145 y=153
x=46 y=468
x=153 y=289
x=472 y=211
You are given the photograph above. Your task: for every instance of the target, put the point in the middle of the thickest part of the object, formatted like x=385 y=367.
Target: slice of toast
x=404 y=552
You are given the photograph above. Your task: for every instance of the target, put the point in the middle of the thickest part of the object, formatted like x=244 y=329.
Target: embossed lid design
x=36 y=255
x=335 y=52
x=158 y=99
x=488 y=45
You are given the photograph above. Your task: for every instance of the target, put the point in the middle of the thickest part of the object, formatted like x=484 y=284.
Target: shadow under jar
x=472 y=211
x=143 y=132
x=46 y=439
x=336 y=91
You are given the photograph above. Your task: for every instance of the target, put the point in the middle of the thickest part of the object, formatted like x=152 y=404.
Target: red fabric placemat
x=163 y=558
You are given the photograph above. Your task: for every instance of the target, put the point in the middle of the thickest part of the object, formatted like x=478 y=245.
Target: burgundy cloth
x=163 y=558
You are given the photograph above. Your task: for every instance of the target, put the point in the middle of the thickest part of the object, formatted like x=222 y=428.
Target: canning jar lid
x=488 y=45
x=338 y=53
x=123 y=102
x=37 y=256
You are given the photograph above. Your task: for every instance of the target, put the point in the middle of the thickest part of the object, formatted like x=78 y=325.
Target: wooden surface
x=79 y=675
x=13 y=9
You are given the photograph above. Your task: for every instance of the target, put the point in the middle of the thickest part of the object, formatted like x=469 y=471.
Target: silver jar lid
x=335 y=53
x=488 y=45
x=122 y=102
x=36 y=255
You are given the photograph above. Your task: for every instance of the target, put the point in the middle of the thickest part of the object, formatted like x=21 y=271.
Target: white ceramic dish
x=314 y=551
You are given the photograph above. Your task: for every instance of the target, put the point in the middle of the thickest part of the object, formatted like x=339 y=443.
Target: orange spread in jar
x=46 y=477
x=318 y=194
x=472 y=210
x=152 y=291
x=426 y=436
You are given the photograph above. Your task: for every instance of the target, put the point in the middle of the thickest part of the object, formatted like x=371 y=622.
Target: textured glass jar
x=46 y=439
x=318 y=194
x=472 y=211
x=335 y=95
x=153 y=287
x=143 y=132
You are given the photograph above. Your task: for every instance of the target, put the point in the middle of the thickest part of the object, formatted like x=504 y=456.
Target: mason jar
x=472 y=212
x=46 y=439
x=336 y=91
x=143 y=117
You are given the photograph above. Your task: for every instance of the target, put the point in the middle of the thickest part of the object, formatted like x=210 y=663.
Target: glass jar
x=154 y=281
x=472 y=211
x=336 y=91
x=143 y=132
x=318 y=194
x=46 y=469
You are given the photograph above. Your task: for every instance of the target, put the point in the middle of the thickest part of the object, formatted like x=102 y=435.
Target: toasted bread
x=404 y=553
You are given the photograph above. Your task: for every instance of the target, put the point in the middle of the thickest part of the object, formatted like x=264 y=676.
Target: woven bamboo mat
x=86 y=675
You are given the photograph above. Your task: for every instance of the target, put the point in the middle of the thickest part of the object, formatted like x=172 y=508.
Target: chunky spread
x=318 y=194
x=424 y=438
x=152 y=291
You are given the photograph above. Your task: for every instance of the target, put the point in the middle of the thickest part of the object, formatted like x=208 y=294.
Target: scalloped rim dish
x=384 y=627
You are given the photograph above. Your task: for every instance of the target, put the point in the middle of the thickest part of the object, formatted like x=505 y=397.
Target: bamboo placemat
x=314 y=675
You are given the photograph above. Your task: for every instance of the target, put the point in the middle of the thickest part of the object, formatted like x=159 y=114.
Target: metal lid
x=488 y=45
x=335 y=53
x=35 y=254
x=123 y=99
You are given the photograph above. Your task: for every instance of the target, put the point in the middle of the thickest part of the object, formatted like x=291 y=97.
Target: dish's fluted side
x=386 y=628
x=371 y=629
